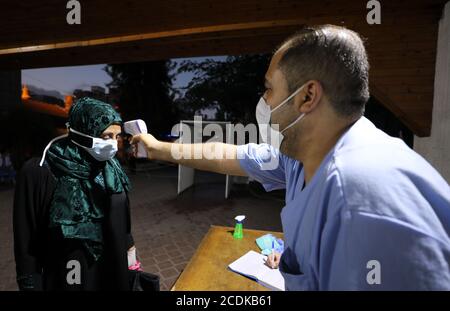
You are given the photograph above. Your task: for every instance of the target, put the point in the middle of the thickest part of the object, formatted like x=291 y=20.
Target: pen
x=273 y=254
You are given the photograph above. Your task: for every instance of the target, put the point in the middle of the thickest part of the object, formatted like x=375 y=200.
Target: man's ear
x=308 y=98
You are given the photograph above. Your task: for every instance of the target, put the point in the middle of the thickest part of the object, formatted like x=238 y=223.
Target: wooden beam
x=137 y=38
x=402 y=50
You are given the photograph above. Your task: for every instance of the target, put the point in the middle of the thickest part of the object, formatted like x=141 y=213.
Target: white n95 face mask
x=101 y=149
x=263 y=113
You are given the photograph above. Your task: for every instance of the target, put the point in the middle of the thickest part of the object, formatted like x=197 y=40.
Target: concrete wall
x=436 y=148
x=10 y=89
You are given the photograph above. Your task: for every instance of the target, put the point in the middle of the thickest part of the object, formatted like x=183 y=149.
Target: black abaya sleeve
x=130 y=239
x=33 y=193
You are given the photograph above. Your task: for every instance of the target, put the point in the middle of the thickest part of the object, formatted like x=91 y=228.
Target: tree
x=145 y=92
x=234 y=86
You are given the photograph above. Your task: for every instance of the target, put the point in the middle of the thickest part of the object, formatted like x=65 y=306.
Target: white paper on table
x=253 y=266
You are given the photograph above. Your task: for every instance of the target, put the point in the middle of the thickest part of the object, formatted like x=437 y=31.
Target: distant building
x=47 y=99
x=46 y=104
x=99 y=93
x=98 y=90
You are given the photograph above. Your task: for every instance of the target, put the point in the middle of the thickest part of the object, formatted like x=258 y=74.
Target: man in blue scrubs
x=363 y=211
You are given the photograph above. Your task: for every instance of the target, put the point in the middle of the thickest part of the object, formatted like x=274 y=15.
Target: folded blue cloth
x=265 y=244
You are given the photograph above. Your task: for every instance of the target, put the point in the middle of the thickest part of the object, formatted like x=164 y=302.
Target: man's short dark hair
x=334 y=56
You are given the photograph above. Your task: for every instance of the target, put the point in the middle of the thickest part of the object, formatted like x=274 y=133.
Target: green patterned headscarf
x=84 y=184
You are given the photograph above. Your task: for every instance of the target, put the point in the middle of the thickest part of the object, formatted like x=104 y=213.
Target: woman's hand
x=273 y=260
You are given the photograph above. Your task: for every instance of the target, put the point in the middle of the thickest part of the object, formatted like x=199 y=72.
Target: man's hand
x=150 y=143
x=273 y=261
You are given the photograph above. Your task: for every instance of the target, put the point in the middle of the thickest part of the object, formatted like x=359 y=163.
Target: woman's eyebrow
x=107 y=134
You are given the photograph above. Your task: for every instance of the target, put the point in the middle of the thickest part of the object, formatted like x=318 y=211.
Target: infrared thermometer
x=135 y=127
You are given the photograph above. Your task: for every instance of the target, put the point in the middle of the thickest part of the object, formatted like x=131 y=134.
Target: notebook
x=253 y=265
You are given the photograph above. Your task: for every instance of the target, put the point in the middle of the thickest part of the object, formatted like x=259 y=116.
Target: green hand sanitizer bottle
x=238 y=229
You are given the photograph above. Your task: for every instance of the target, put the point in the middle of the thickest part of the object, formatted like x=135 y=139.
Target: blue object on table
x=266 y=241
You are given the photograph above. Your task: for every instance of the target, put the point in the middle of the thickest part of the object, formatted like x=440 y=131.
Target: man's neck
x=315 y=147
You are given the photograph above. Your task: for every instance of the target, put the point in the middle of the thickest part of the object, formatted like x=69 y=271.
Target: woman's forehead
x=113 y=128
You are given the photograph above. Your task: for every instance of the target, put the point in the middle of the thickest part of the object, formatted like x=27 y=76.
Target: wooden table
x=208 y=268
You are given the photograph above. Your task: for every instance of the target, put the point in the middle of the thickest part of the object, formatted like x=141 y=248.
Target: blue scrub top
x=375 y=215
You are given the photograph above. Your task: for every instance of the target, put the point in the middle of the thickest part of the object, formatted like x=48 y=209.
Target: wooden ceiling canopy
x=402 y=49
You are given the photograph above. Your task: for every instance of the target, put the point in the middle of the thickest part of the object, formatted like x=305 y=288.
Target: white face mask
x=101 y=149
x=270 y=135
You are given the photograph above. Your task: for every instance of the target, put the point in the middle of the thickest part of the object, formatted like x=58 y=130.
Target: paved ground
x=167 y=227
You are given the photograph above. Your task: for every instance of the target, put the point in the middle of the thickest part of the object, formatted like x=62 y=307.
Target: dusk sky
x=65 y=79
